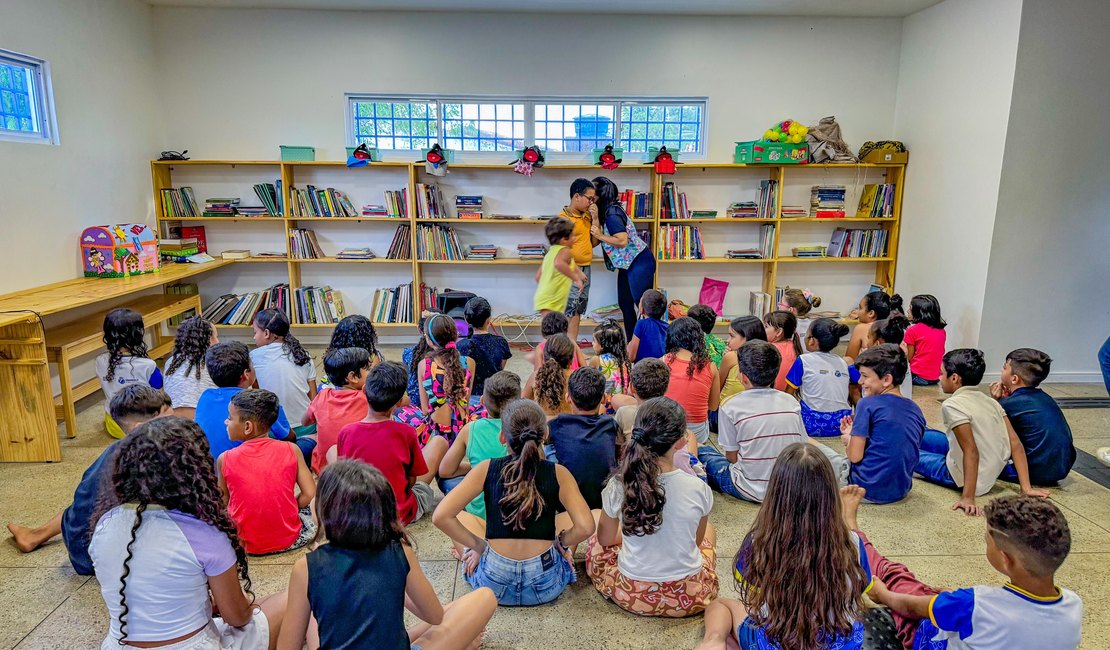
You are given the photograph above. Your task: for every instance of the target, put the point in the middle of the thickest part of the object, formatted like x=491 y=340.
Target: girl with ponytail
x=445 y=378
x=654 y=552
x=548 y=384
x=166 y=551
x=824 y=383
x=520 y=549
x=282 y=365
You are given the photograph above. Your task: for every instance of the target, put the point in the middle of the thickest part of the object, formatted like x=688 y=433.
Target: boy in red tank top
x=259 y=478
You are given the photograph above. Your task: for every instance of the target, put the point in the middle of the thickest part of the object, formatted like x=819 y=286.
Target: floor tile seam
x=51 y=612
x=1082 y=516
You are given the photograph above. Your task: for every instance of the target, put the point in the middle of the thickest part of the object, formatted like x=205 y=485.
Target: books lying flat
x=468 y=207
x=236 y=254
x=743 y=254
x=220 y=206
x=393 y=305
x=743 y=210
x=481 y=252
x=531 y=251
x=794 y=211
x=232 y=309
x=808 y=251
x=318 y=306
x=827 y=201
x=355 y=254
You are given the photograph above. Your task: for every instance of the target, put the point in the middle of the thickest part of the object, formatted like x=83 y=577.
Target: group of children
x=243 y=453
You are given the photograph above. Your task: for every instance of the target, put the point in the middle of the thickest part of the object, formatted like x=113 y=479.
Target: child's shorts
x=752 y=637
x=820 y=424
x=308 y=532
x=700 y=431
x=674 y=599
x=255 y=635
x=534 y=581
x=425 y=499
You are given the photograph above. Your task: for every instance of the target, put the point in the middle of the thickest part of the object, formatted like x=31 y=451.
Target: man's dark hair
x=1029 y=364
x=650 y=377
x=257 y=406
x=759 y=361
x=885 y=359
x=477 y=312
x=137 y=403
x=654 y=303
x=502 y=387
x=587 y=388
x=580 y=185
x=342 y=362
x=1032 y=529
x=705 y=316
x=226 y=363
x=558 y=229
x=967 y=363
x=385 y=386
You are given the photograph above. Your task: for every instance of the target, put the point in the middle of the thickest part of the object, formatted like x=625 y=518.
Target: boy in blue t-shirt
x=133 y=405
x=584 y=441
x=229 y=365
x=1027 y=541
x=489 y=351
x=649 y=339
x=883 y=438
x=1036 y=417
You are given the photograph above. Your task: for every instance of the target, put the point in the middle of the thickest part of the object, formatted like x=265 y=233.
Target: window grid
x=18 y=111
x=567 y=127
x=678 y=126
x=396 y=125
x=470 y=126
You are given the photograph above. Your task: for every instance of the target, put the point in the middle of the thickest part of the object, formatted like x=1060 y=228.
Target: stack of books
x=875 y=202
x=236 y=254
x=270 y=197
x=680 y=243
x=481 y=251
x=355 y=254
x=794 y=211
x=857 y=243
x=674 y=203
x=428 y=297
x=393 y=305
x=231 y=309
x=767 y=241
x=221 y=206
x=178 y=250
x=179 y=203
x=315 y=202
x=759 y=303
x=318 y=306
x=768 y=199
x=703 y=214
x=303 y=245
x=375 y=211
x=743 y=210
x=531 y=251
x=637 y=205
x=808 y=251
x=253 y=211
x=468 y=207
x=401 y=246
x=429 y=202
x=436 y=242
x=743 y=254
x=827 y=201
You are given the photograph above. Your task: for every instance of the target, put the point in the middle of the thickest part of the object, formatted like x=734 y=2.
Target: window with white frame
x=570 y=126
x=26 y=104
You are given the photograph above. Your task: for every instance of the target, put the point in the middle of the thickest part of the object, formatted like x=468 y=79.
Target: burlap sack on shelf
x=826 y=143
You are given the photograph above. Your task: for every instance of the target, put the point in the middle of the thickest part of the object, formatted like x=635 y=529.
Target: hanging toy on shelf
x=787 y=132
x=607 y=158
x=435 y=160
x=664 y=161
x=360 y=157
x=528 y=158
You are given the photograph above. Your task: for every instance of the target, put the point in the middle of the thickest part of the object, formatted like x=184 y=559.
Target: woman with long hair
x=624 y=250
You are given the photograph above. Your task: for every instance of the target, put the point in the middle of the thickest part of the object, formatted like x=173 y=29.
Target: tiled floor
x=43 y=604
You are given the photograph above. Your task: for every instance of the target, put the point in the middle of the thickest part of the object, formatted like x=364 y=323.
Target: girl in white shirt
x=654 y=551
x=282 y=365
x=186 y=375
x=169 y=552
x=824 y=382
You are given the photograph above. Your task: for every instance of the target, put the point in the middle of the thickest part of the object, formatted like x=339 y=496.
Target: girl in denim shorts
x=520 y=550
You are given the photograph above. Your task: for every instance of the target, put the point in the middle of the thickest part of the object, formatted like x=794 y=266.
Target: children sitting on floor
x=392 y=446
x=125 y=362
x=1036 y=417
x=133 y=405
x=259 y=479
x=520 y=550
x=553 y=324
x=822 y=380
x=695 y=383
x=782 y=333
x=548 y=384
x=612 y=356
x=282 y=365
x=707 y=319
x=412 y=357
x=186 y=376
x=924 y=340
x=584 y=441
x=979 y=439
x=883 y=439
x=654 y=553
x=874 y=306
x=650 y=378
x=756 y=426
x=649 y=338
x=800 y=571
x=340 y=403
x=890 y=330
x=1028 y=540
x=489 y=351
x=481 y=439
x=356 y=331
x=352 y=591
x=445 y=381
x=740 y=331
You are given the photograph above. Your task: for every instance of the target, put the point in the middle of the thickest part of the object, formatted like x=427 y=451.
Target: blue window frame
x=679 y=126
x=401 y=125
x=472 y=126
x=575 y=126
x=26 y=109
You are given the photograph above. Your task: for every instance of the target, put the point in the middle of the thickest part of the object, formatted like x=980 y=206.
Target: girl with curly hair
x=282 y=365
x=654 y=552
x=166 y=552
x=125 y=362
x=446 y=378
x=612 y=356
x=356 y=331
x=801 y=573
x=548 y=384
x=186 y=373
x=695 y=382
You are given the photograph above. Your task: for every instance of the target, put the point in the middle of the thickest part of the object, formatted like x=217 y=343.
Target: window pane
x=389 y=125
x=676 y=125
x=485 y=127
x=574 y=127
x=17 y=104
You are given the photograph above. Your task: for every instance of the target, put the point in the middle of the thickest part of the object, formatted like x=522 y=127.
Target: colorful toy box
x=119 y=251
x=755 y=152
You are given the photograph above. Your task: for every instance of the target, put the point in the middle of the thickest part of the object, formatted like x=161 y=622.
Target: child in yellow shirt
x=558 y=270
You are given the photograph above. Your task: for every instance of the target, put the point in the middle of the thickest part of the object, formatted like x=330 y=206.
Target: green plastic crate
x=299 y=154
x=374 y=155
x=757 y=152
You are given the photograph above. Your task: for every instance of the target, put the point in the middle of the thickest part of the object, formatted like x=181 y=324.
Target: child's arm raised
x=582 y=520
x=420 y=596
x=304 y=480
x=966 y=439
x=1021 y=463
x=294 y=627
x=454 y=462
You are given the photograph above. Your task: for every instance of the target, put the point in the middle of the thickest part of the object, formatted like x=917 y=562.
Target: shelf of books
x=758 y=227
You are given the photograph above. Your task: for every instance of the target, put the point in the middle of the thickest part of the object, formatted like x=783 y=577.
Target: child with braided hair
x=445 y=379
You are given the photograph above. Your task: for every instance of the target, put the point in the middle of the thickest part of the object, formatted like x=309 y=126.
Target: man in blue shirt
x=1037 y=419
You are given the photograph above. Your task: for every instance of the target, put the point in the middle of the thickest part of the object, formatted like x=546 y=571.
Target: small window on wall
x=469 y=126
x=26 y=100
x=388 y=124
x=574 y=127
x=679 y=126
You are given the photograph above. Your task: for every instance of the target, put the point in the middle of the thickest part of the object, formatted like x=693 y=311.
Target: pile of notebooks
x=179 y=203
x=808 y=251
x=375 y=211
x=315 y=202
x=401 y=246
x=303 y=245
x=436 y=242
x=680 y=243
x=230 y=309
x=794 y=211
x=253 y=211
x=178 y=250
x=531 y=251
x=857 y=243
x=221 y=206
x=827 y=201
x=355 y=254
x=393 y=305
x=743 y=254
x=743 y=210
x=468 y=207
x=481 y=252
x=875 y=202
x=318 y=306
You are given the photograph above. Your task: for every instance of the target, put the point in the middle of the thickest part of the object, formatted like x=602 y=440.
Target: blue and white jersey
x=822 y=379
x=1001 y=618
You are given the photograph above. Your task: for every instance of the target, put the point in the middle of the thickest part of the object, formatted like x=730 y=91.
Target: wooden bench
x=72 y=340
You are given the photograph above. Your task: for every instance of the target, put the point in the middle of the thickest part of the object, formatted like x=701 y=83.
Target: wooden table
x=29 y=431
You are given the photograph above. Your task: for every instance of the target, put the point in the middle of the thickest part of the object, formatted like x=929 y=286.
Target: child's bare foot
x=850 y=497
x=477 y=642
x=457 y=552
x=27 y=539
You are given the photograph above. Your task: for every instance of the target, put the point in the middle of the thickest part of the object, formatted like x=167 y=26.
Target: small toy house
x=119 y=251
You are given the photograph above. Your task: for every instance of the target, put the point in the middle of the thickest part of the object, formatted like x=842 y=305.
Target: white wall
x=1046 y=284
x=102 y=57
x=953 y=104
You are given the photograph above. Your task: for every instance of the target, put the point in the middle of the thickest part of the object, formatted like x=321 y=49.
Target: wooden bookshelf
x=710 y=178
